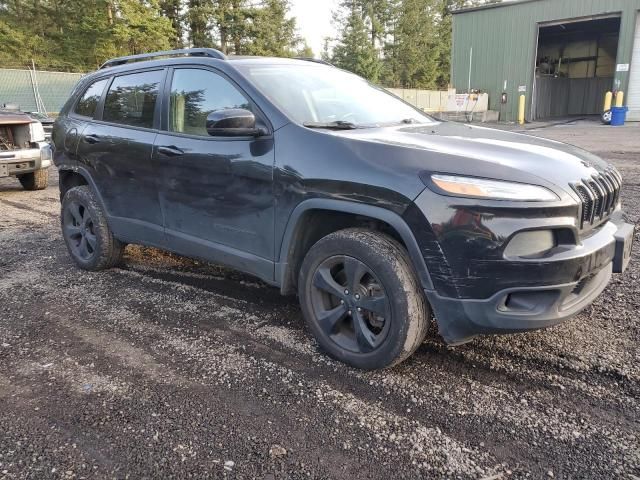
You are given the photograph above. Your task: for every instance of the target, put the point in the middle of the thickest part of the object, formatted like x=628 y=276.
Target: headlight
x=492 y=189
x=36 y=130
x=46 y=155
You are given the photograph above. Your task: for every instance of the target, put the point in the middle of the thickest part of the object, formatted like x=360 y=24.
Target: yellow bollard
x=608 y=99
x=521 y=107
x=620 y=99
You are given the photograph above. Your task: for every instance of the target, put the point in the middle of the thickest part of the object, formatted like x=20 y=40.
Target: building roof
x=503 y=3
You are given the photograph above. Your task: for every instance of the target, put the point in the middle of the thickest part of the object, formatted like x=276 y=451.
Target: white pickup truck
x=24 y=153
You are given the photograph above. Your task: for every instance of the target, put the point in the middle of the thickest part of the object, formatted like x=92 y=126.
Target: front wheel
x=606 y=117
x=361 y=299
x=37 y=180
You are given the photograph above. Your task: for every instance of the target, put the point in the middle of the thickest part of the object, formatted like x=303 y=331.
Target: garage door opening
x=575 y=67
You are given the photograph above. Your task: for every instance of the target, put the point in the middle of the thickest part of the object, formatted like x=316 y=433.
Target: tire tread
x=111 y=249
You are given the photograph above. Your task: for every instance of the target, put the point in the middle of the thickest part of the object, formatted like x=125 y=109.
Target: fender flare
x=84 y=173
x=377 y=213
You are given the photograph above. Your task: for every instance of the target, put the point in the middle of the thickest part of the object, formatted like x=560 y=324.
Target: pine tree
x=199 y=17
x=354 y=51
x=304 y=50
x=413 y=55
x=78 y=35
x=172 y=9
x=139 y=27
x=271 y=32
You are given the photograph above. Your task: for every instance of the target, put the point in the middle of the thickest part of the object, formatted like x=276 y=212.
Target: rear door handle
x=170 y=151
x=92 y=139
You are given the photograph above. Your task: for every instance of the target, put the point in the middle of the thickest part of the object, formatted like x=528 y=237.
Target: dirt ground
x=171 y=368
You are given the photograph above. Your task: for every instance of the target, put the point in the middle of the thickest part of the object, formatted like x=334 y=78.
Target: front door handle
x=170 y=151
x=92 y=139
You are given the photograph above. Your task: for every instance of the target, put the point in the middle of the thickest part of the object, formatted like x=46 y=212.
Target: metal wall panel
x=633 y=97
x=504 y=42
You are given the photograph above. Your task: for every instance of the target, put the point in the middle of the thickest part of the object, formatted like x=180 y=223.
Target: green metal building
x=564 y=55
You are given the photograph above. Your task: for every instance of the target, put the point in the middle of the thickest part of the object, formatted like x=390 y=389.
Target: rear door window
x=88 y=104
x=131 y=99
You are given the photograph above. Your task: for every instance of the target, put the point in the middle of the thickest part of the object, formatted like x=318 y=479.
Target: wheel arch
x=298 y=239
x=75 y=176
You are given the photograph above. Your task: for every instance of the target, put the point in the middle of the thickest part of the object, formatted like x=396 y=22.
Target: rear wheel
x=86 y=233
x=606 y=117
x=37 y=180
x=361 y=299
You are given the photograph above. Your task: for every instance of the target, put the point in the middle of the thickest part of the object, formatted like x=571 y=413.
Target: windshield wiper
x=337 y=125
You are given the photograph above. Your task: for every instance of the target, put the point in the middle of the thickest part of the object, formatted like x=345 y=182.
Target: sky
x=314 y=21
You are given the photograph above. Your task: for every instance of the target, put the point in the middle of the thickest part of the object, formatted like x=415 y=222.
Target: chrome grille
x=599 y=196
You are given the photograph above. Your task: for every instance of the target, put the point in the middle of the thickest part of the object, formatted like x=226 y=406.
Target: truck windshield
x=317 y=95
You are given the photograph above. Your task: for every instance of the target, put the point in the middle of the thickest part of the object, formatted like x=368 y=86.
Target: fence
x=27 y=88
x=434 y=101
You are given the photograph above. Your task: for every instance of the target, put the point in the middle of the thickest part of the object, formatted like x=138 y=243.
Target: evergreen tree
x=271 y=32
x=199 y=17
x=139 y=27
x=172 y=9
x=78 y=35
x=354 y=51
x=413 y=55
x=304 y=50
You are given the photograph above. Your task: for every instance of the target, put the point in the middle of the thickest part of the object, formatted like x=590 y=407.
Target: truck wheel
x=361 y=299
x=86 y=233
x=37 y=180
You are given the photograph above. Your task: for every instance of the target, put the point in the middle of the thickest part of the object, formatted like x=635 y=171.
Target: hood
x=8 y=117
x=455 y=148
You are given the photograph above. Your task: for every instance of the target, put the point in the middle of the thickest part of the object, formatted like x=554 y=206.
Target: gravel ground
x=171 y=368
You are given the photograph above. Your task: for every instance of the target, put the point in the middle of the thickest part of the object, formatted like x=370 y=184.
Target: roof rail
x=187 y=52
x=314 y=60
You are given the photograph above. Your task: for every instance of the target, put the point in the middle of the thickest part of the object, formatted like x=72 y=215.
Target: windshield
x=316 y=95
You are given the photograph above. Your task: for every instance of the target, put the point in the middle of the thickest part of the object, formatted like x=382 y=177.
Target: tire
x=606 y=117
x=362 y=300
x=89 y=240
x=38 y=180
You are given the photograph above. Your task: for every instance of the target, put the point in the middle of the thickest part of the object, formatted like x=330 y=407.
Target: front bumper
x=477 y=290
x=19 y=162
x=515 y=310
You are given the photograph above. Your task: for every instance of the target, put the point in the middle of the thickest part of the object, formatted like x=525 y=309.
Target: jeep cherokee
x=312 y=179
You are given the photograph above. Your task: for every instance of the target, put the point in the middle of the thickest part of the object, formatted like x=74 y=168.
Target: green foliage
x=78 y=35
x=271 y=33
x=243 y=27
x=400 y=43
x=171 y=9
x=354 y=51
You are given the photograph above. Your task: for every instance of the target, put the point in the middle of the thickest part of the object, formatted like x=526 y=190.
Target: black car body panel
x=243 y=201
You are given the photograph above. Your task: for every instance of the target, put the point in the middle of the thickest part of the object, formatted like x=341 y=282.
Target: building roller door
x=633 y=99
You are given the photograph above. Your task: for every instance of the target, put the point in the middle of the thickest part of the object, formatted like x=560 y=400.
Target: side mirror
x=232 y=122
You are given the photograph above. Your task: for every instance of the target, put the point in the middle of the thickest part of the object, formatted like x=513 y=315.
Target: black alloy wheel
x=350 y=304
x=86 y=231
x=361 y=299
x=79 y=231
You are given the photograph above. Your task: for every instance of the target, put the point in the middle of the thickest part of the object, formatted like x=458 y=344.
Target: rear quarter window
x=131 y=99
x=88 y=103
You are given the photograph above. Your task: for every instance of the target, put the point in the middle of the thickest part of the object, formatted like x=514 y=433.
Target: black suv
x=316 y=181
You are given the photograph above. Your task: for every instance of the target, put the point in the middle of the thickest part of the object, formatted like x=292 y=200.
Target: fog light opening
x=531 y=244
